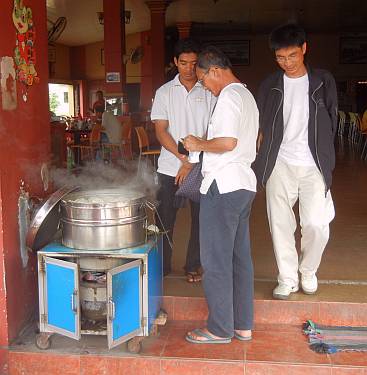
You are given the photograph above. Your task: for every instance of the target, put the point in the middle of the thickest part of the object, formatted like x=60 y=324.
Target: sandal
x=242 y=338
x=208 y=338
x=193 y=277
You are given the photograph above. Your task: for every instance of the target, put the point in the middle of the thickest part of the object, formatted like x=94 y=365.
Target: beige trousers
x=286 y=185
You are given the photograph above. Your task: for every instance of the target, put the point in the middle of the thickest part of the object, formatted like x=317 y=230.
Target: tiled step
x=274 y=350
x=275 y=311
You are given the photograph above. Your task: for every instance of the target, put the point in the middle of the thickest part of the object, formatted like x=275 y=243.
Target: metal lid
x=42 y=231
x=112 y=197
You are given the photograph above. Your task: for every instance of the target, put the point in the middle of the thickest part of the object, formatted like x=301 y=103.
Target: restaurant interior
x=115 y=54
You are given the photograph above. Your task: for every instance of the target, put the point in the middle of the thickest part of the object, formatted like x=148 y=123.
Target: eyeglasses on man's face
x=291 y=57
x=283 y=59
x=201 y=80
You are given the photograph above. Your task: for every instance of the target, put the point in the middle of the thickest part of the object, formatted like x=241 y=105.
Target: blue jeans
x=167 y=211
x=225 y=254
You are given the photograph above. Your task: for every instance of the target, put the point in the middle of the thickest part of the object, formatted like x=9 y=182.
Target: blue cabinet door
x=124 y=294
x=61 y=297
x=155 y=281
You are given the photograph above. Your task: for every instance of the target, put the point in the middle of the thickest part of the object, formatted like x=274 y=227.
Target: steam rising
x=97 y=175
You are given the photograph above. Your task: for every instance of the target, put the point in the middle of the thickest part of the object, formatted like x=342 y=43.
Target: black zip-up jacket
x=322 y=123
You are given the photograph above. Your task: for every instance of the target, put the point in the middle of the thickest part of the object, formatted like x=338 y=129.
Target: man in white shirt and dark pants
x=298 y=121
x=182 y=106
x=227 y=192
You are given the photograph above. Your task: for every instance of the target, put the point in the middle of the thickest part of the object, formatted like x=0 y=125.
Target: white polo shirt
x=236 y=116
x=186 y=112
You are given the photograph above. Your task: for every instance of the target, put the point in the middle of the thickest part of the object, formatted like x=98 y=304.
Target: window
x=61 y=101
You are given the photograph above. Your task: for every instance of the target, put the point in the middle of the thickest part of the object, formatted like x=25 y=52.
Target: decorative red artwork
x=24 y=52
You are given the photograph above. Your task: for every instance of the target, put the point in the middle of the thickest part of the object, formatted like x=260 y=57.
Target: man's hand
x=216 y=145
x=183 y=158
x=192 y=143
x=183 y=172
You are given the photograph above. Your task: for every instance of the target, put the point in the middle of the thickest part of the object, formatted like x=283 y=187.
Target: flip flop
x=242 y=338
x=193 y=277
x=209 y=338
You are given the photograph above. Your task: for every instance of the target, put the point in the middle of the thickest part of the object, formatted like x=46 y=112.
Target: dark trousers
x=167 y=211
x=226 y=259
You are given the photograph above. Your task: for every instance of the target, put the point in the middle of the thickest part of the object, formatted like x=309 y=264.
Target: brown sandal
x=193 y=277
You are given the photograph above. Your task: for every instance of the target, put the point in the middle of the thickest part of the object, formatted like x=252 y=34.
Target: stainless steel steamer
x=104 y=219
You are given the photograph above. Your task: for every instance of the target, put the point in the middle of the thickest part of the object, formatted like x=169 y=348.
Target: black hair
x=213 y=56
x=288 y=35
x=186 y=46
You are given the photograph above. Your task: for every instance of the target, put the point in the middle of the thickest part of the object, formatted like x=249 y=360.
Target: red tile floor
x=275 y=349
x=278 y=345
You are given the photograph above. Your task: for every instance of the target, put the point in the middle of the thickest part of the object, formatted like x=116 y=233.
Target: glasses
x=291 y=58
x=201 y=80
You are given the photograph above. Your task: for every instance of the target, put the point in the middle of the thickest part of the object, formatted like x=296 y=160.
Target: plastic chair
x=341 y=123
x=144 y=146
x=90 y=149
x=364 y=121
x=126 y=140
x=354 y=127
x=363 y=141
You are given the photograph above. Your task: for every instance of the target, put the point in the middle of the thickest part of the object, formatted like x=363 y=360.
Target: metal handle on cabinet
x=73 y=302
x=111 y=309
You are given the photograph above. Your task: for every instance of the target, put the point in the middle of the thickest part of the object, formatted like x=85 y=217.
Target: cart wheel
x=43 y=341
x=154 y=330
x=134 y=345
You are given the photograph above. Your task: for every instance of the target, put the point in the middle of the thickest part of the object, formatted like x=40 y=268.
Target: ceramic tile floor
x=273 y=350
x=275 y=311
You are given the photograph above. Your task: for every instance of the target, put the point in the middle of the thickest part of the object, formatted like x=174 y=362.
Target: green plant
x=53 y=102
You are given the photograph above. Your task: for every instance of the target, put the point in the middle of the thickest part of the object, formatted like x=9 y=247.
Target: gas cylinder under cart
x=113 y=292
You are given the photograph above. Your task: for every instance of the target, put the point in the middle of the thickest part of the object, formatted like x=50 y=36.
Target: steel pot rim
x=104 y=222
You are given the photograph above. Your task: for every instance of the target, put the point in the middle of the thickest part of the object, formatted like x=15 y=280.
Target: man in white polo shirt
x=181 y=107
x=227 y=192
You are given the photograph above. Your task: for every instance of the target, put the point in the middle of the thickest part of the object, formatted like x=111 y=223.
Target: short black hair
x=187 y=45
x=213 y=56
x=288 y=35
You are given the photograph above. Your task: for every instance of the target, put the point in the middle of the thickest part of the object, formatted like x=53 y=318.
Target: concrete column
x=114 y=43
x=158 y=23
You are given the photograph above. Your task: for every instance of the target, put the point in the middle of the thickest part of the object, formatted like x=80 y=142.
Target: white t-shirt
x=294 y=148
x=186 y=112
x=236 y=116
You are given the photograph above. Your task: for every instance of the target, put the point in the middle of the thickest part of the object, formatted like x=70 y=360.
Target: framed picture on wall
x=238 y=51
x=113 y=77
x=353 y=50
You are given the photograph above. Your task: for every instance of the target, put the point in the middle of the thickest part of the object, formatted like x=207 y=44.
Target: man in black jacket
x=298 y=120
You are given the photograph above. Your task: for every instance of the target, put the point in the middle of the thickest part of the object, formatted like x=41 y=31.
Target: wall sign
x=24 y=52
x=353 y=50
x=113 y=77
x=238 y=51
